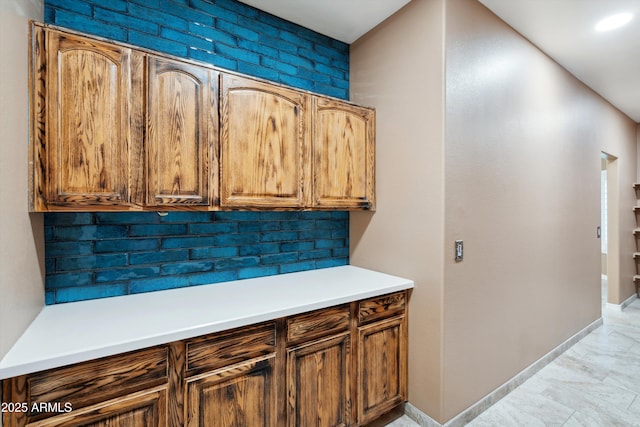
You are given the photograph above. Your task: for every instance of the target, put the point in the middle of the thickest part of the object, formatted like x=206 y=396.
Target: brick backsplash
x=94 y=255
x=225 y=33
x=97 y=255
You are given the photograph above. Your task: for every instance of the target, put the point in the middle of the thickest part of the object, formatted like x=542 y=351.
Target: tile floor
x=403 y=422
x=596 y=383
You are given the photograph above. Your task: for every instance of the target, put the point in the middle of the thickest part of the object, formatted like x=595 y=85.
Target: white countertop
x=75 y=332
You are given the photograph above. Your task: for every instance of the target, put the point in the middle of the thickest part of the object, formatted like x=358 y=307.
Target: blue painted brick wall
x=97 y=255
x=225 y=33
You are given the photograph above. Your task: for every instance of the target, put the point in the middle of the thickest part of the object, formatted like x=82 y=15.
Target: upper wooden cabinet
x=264 y=144
x=182 y=126
x=83 y=94
x=343 y=155
x=117 y=129
x=120 y=128
x=282 y=148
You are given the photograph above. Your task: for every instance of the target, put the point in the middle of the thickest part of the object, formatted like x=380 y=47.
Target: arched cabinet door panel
x=344 y=155
x=89 y=100
x=265 y=144
x=181 y=133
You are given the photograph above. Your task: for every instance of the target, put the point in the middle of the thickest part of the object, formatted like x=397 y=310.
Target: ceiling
x=609 y=62
x=344 y=20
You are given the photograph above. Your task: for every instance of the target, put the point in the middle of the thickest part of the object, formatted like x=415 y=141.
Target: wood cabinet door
x=88 y=133
x=182 y=133
x=144 y=409
x=382 y=375
x=264 y=145
x=318 y=385
x=344 y=155
x=240 y=395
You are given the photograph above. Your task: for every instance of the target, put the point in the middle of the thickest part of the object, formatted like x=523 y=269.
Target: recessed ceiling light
x=614 y=21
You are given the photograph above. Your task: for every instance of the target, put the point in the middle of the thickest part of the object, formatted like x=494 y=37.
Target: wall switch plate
x=459 y=251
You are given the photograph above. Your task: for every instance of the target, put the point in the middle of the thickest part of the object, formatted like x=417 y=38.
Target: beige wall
x=21 y=234
x=531 y=274
x=398 y=69
x=516 y=176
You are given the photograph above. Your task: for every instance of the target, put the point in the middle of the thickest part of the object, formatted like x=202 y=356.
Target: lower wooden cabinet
x=382 y=355
x=144 y=409
x=318 y=383
x=99 y=392
x=240 y=395
x=229 y=378
x=381 y=368
x=339 y=366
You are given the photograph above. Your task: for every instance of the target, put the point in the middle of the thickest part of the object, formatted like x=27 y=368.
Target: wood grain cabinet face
x=318 y=383
x=318 y=367
x=181 y=133
x=241 y=395
x=382 y=355
x=116 y=128
x=145 y=409
x=91 y=105
x=230 y=378
x=344 y=155
x=381 y=384
x=264 y=145
x=317 y=324
x=87 y=89
x=122 y=390
x=339 y=366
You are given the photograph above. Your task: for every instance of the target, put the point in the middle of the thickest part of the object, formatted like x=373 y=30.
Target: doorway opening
x=609 y=245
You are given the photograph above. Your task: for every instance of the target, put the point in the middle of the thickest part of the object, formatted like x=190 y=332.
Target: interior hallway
x=595 y=383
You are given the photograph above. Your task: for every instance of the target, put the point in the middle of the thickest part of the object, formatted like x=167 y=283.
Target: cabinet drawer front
x=99 y=380
x=318 y=323
x=142 y=409
x=381 y=307
x=216 y=351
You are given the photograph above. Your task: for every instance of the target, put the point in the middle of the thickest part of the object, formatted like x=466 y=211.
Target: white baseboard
x=422 y=419
x=485 y=403
x=623 y=305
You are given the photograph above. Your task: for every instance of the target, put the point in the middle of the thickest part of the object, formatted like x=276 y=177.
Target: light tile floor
x=596 y=383
x=403 y=421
